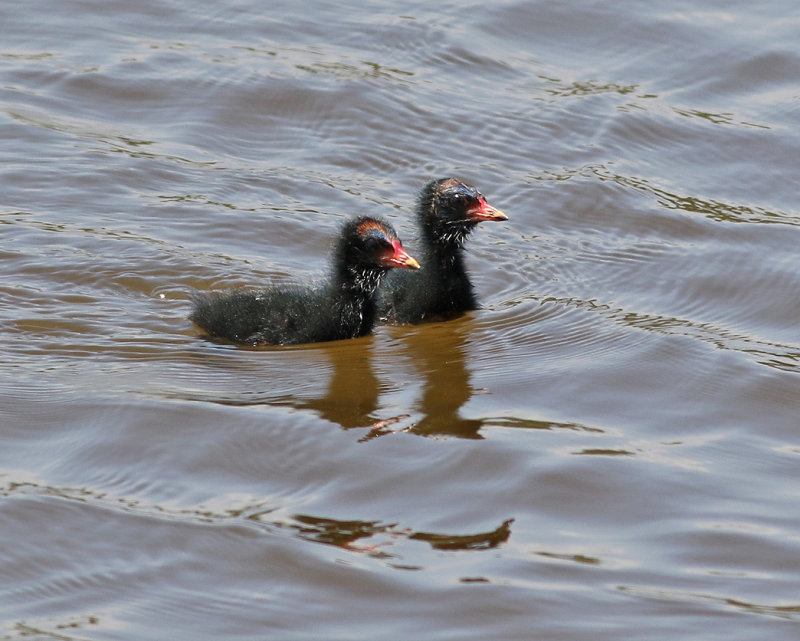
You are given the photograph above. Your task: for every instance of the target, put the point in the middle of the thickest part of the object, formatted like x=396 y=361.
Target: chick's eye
x=376 y=243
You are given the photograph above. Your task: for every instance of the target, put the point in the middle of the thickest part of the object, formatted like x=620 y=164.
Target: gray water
x=607 y=449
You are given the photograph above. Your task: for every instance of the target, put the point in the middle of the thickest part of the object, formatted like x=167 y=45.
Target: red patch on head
x=370 y=225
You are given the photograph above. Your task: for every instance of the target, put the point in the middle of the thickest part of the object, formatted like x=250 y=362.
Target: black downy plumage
x=447 y=212
x=342 y=307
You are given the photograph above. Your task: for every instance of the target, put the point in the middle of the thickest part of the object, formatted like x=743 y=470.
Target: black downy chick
x=343 y=307
x=447 y=212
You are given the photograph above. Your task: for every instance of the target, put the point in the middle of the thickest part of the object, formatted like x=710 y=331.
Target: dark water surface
x=608 y=449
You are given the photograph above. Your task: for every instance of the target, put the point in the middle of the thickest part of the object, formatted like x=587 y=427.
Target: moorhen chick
x=447 y=211
x=342 y=307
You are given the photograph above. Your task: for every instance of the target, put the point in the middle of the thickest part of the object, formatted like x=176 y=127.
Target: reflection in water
x=351 y=398
x=481 y=541
x=345 y=534
x=342 y=534
x=438 y=352
x=339 y=533
x=352 y=395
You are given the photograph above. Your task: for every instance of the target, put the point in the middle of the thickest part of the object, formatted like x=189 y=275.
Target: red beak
x=484 y=211
x=400 y=258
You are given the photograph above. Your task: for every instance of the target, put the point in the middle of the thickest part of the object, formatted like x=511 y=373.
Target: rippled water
x=608 y=449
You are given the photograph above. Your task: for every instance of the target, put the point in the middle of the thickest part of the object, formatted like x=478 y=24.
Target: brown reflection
x=351 y=398
x=352 y=395
x=343 y=534
x=480 y=541
x=438 y=352
x=346 y=534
